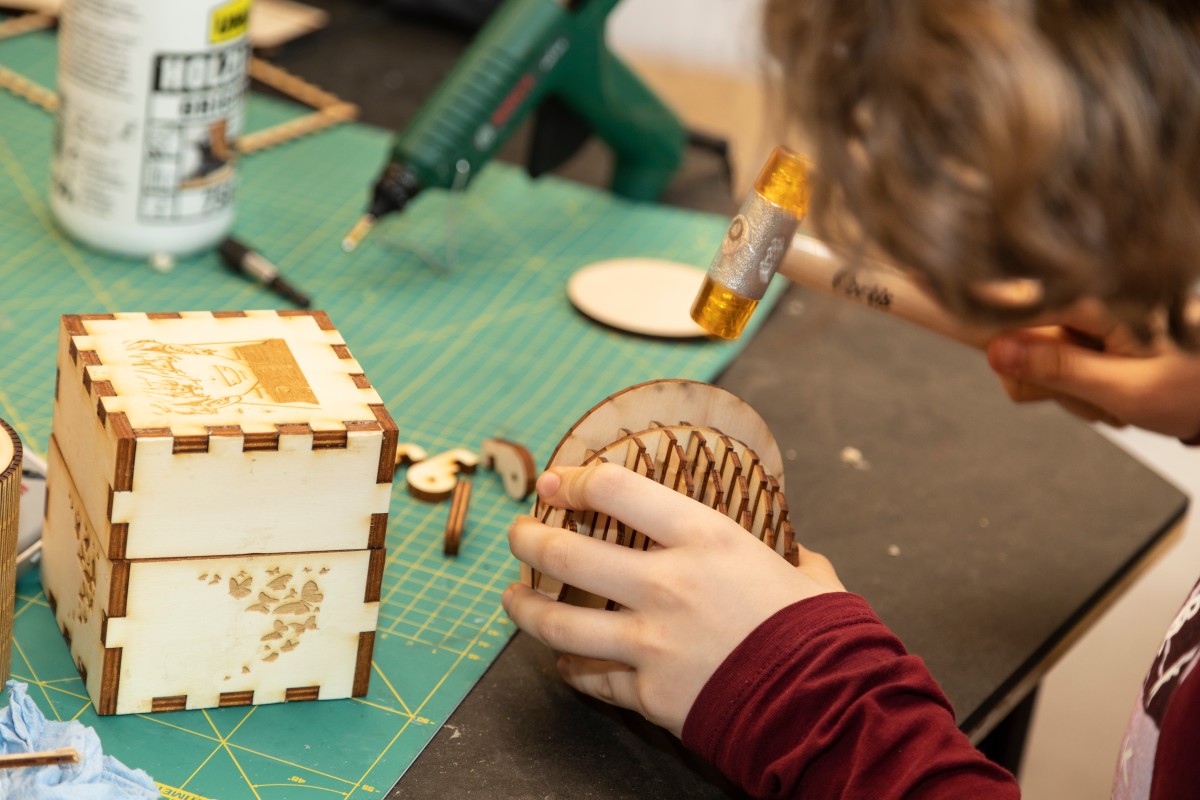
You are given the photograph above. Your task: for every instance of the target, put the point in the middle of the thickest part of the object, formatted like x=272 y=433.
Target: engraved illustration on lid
x=193 y=371
x=204 y=378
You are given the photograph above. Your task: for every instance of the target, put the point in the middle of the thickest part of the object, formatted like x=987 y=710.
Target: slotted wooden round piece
x=643 y=429
x=669 y=402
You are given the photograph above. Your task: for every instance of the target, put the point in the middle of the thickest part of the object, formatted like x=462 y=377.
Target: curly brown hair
x=980 y=140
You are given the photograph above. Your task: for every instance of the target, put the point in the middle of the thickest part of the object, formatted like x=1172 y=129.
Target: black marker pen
x=243 y=260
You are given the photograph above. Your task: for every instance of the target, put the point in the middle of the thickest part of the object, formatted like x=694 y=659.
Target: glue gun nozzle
x=358 y=232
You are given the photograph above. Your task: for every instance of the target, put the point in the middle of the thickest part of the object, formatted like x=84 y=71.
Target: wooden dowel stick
x=291 y=85
x=27 y=90
x=15 y=26
x=63 y=755
x=295 y=128
x=456 y=523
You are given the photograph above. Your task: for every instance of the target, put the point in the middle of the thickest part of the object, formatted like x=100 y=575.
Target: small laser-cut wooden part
x=220 y=476
x=513 y=462
x=456 y=522
x=433 y=479
x=697 y=458
x=408 y=454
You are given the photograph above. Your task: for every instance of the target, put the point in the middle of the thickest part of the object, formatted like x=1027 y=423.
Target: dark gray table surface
x=981 y=532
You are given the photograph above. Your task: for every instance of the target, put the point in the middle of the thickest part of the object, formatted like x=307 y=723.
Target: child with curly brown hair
x=1035 y=164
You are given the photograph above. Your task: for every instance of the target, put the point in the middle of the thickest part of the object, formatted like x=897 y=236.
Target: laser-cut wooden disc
x=649 y=296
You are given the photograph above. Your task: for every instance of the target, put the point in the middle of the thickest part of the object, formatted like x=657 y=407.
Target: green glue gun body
x=533 y=54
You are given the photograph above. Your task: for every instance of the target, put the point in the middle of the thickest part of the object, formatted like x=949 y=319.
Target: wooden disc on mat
x=649 y=296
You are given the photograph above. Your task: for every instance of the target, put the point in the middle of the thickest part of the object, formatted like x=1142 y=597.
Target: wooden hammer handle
x=810 y=263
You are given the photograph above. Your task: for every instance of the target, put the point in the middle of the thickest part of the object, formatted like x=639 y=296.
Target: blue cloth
x=24 y=729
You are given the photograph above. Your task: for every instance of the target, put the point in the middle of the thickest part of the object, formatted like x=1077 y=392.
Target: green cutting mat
x=456 y=309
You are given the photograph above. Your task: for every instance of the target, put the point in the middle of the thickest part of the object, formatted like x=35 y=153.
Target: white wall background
x=716 y=33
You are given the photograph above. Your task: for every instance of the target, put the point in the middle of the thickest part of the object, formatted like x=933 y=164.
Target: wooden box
x=217 y=503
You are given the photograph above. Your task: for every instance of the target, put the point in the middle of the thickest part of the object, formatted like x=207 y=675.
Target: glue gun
x=544 y=54
x=762 y=240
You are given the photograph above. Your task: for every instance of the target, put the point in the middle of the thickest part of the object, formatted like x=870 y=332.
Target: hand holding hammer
x=762 y=240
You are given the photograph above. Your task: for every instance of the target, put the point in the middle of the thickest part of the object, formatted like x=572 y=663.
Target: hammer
x=762 y=240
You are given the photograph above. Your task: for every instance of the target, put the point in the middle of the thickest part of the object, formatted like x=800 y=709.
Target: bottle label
x=193 y=116
x=754 y=245
x=150 y=108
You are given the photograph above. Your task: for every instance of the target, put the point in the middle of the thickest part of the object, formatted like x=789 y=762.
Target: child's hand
x=1155 y=386
x=685 y=605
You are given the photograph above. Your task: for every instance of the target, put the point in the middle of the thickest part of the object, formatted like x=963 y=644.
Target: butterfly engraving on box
x=292 y=603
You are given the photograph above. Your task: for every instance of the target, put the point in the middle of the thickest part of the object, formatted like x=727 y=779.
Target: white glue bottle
x=151 y=100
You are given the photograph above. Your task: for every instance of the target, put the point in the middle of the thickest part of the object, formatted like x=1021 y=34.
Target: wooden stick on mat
x=290 y=84
x=295 y=128
x=63 y=755
x=26 y=89
x=15 y=26
x=330 y=110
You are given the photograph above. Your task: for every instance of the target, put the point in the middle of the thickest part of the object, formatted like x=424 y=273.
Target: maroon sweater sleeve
x=822 y=700
x=1176 y=767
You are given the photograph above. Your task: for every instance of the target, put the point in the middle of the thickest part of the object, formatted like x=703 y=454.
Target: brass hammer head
x=754 y=245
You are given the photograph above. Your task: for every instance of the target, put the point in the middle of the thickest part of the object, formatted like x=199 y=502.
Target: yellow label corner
x=229 y=21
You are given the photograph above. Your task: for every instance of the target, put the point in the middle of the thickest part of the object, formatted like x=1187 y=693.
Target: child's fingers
x=593 y=565
x=1025 y=392
x=666 y=516
x=609 y=681
x=1092 y=384
x=591 y=632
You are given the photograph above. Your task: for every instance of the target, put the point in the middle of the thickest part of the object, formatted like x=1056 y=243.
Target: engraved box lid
x=215 y=433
